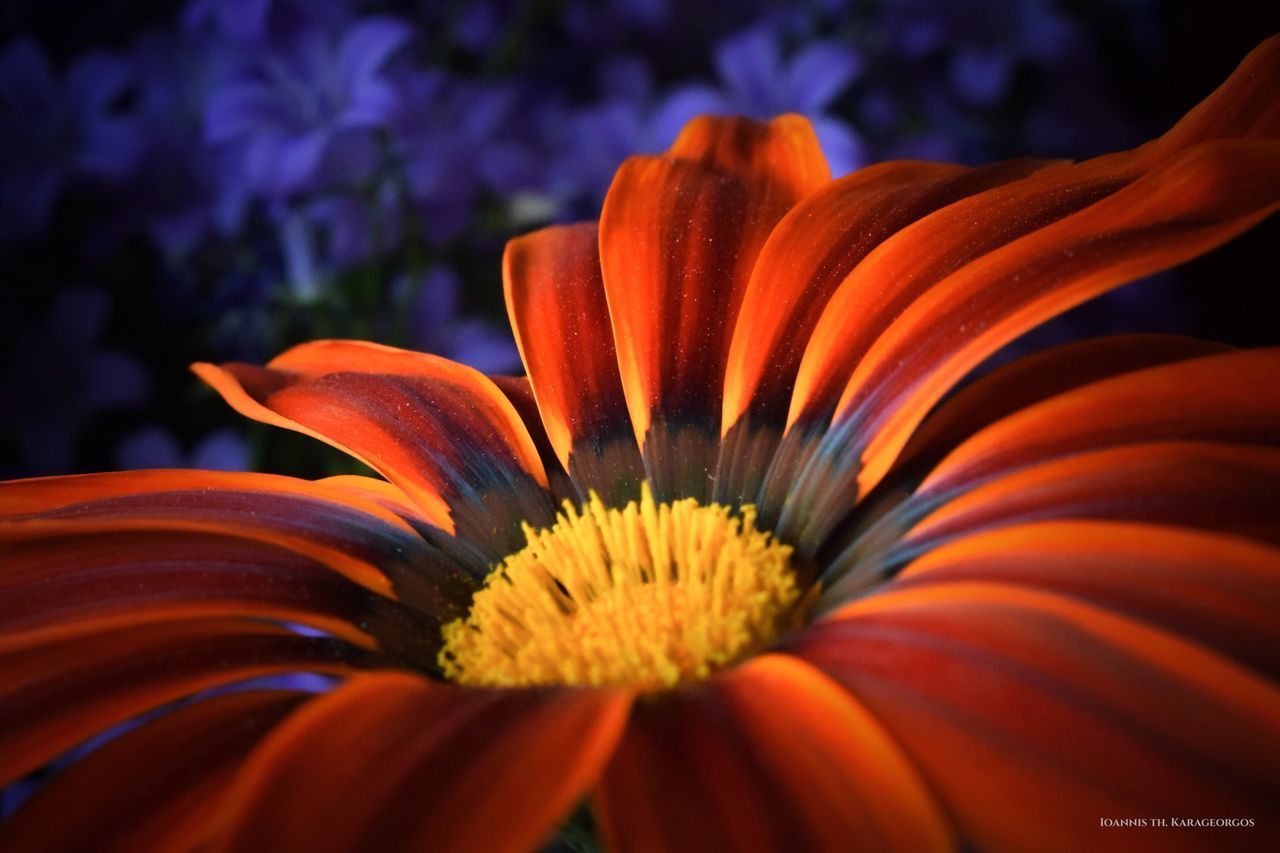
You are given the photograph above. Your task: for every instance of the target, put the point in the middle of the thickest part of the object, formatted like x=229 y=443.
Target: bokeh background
x=219 y=179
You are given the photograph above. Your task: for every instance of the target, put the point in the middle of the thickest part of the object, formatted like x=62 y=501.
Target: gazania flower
x=733 y=566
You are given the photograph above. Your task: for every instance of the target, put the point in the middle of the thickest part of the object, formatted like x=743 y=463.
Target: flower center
x=646 y=596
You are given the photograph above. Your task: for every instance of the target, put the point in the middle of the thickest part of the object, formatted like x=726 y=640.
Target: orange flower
x=798 y=595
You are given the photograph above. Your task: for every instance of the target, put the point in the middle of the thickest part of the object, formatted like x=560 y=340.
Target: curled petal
x=442 y=432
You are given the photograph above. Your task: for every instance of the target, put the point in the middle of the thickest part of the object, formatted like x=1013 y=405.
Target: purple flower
x=302 y=116
x=454 y=140
x=156 y=447
x=188 y=191
x=52 y=130
x=260 y=21
x=755 y=79
x=436 y=327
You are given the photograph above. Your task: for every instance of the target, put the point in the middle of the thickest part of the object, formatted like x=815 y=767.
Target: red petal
x=441 y=431
x=770 y=756
x=783 y=152
x=1183 y=208
x=1229 y=488
x=67 y=586
x=152 y=788
x=1218 y=591
x=57 y=694
x=556 y=302
x=519 y=391
x=392 y=761
x=678 y=238
x=384 y=494
x=805 y=258
x=355 y=536
x=1033 y=716
x=1018 y=386
x=1195 y=203
x=911 y=262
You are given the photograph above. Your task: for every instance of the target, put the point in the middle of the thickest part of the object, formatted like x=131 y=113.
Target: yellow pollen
x=646 y=596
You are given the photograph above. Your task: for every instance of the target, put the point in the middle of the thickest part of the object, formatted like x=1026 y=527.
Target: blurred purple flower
x=436 y=327
x=156 y=447
x=354 y=228
x=57 y=379
x=303 y=115
x=52 y=130
x=454 y=139
x=265 y=20
x=187 y=192
x=754 y=79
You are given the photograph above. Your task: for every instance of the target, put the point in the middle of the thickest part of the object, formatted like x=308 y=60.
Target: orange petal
x=806 y=256
x=1018 y=386
x=152 y=788
x=1033 y=716
x=387 y=495
x=1245 y=106
x=1228 y=488
x=392 y=761
x=1218 y=591
x=783 y=152
x=770 y=756
x=1181 y=210
x=519 y=392
x=357 y=537
x=678 y=238
x=55 y=695
x=1184 y=208
x=556 y=302
x=442 y=432
x=1228 y=397
x=68 y=586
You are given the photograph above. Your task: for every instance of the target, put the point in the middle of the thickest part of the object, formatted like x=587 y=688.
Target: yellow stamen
x=646 y=596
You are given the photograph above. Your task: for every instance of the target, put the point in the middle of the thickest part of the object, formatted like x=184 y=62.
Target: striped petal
x=153 y=788
x=281 y=523
x=1228 y=488
x=805 y=258
x=394 y=762
x=442 y=432
x=1228 y=397
x=57 y=694
x=770 y=756
x=910 y=263
x=1218 y=591
x=678 y=238
x=66 y=586
x=519 y=391
x=356 y=538
x=1019 y=386
x=556 y=302
x=1032 y=717
x=1195 y=202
